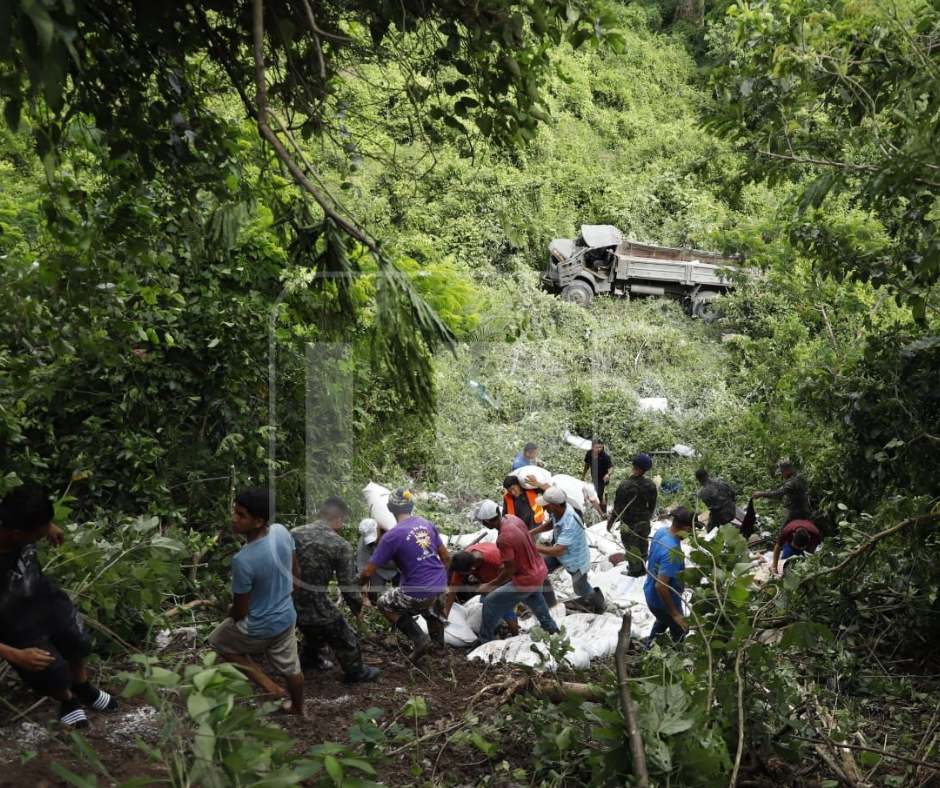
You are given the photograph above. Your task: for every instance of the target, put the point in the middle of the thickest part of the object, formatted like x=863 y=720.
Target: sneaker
x=366 y=676
x=95 y=698
x=73 y=715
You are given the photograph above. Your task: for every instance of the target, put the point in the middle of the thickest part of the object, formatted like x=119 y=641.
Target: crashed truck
x=600 y=262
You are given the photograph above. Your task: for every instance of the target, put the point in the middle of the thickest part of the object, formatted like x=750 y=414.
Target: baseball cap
x=682 y=515
x=552 y=495
x=485 y=510
x=369 y=530
x=643 y=461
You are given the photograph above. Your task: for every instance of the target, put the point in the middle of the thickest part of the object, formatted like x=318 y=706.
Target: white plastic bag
x=377 y=500
x=543 y=476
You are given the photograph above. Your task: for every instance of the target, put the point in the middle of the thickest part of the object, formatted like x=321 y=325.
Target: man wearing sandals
x=41 y=634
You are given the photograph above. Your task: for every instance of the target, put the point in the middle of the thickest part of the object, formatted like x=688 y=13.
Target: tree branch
x=637 y=753
x=864 y=548
x=842 y=165
x=282 y=153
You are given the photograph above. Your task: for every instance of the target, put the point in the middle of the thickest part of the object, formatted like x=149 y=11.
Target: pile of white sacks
x=592 y=636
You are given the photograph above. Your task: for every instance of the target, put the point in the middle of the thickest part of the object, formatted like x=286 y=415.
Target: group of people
x=281 y=578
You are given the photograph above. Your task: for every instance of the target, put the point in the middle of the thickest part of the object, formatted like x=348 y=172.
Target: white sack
x=605 y=543
x=473 y=609
x=529 y=621
x=654 y=404
x=577 y=441
x=684 y=451
x=543 y=476
x=518 y=651
x=377 y=500
x=594 y=634
x=579 y=492
x=457 y=632
x=464 y=541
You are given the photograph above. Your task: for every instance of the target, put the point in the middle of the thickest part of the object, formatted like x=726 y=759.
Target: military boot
x=421 y=642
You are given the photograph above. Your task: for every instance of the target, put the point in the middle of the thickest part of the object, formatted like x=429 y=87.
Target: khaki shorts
x=280 y=651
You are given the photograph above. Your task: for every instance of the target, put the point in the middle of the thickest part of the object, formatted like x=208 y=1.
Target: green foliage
x=121 y=574
x=220 y=742
x=847 y=105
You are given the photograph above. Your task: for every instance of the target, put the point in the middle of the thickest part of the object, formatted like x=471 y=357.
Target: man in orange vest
x=521 y=503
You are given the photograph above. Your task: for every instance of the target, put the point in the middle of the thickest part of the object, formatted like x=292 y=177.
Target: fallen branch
x=864 y=548
x=637 y=753
x=893 y=756
x=174 y=612
x=110 y=633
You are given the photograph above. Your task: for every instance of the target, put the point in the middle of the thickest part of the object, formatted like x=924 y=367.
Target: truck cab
x=600 y=262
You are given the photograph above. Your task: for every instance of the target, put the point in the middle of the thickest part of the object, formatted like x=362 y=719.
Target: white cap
x=368 y=529
x=485 y=510
x=552 y=495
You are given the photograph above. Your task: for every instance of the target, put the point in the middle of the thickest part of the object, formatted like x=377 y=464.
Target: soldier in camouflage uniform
x=792 y=491
x=719 y=497
x=633 y=506
x=323 y=553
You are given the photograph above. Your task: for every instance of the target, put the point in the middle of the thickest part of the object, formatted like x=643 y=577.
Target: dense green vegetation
x=164 y=280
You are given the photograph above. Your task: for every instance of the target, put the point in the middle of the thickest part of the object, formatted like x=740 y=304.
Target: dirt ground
x=447 y=682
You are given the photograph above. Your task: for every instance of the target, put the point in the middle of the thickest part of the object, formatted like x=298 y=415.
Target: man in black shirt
x=41 y=634
x=598 y=462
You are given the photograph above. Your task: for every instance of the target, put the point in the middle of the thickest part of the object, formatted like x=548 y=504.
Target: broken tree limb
x=637 y=753
x=174 y=612
x=864 y=548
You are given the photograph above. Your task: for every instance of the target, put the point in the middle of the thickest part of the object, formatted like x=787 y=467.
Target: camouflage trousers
x=635 y=537
x=340 y=637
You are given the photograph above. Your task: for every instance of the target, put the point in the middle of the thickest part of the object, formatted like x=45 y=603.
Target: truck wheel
x=703 y=306
x=578 y=293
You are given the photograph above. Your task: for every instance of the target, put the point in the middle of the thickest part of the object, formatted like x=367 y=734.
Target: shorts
x=61 y=633
x=280 y=651
x=397 y=601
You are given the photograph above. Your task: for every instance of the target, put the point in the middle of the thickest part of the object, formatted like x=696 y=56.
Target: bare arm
x=541 y=529
x=295 y=571
x=239 y=608
x=543 y=486
x=665 y=594
x=366 y=573
x=444 y=556
x=776 y=559
x=554 y=550
x=30 y=659
x=504 y=576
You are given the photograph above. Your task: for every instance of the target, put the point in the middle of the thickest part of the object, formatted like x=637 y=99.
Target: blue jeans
x=664 y=622
x=510 y=616
x=504 y=599
x=582 y=586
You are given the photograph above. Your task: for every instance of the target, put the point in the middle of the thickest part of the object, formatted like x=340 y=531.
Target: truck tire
x=578 y=292
x=703 y=306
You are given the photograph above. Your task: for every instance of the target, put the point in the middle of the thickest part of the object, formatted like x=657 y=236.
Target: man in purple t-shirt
x=421 y=557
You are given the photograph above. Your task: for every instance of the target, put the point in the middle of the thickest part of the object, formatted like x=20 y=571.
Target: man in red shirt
x=521 y=577
x=797 y=537
x=484 y=563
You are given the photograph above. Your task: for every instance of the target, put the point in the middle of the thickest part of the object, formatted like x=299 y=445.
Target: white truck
x=600 y=262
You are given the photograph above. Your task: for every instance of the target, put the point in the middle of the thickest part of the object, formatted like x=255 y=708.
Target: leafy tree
x=841 y=96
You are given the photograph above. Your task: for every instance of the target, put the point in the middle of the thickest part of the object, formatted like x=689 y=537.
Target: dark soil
x=447 y=682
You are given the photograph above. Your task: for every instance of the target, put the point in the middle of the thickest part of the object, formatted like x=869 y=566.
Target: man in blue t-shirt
x=525 y=457
x=569 y=548
x=261 y=618
x=663 y=590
